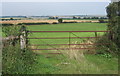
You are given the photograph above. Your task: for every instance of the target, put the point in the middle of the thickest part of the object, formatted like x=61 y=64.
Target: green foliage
x=17 y=61
x=14 y=59
x=109 y=47
x=113 y=12
x=60 y=20
x=107 y=55
x=11 y=30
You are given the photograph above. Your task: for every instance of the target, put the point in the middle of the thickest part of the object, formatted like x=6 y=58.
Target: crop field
x=61 y=64
x=45 y=20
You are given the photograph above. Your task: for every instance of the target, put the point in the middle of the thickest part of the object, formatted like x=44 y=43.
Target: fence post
x=23 y=37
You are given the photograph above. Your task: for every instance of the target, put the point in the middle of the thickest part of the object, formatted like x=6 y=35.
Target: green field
x=54 y=64
x=64 y=27
x=69 y=62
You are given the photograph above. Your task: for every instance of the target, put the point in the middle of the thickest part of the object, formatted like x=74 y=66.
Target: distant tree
x=60 y=20
x=51 y=17
x=84 y=18
x=94 y=18
x=11 y=18
x=88 y=17
x=79 y=17
x=74 y=17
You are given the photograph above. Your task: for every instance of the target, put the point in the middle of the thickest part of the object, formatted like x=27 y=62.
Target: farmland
x=61 y=64
x=71 y=61
x=45 y=20
x=64 y=27
x=60 y=37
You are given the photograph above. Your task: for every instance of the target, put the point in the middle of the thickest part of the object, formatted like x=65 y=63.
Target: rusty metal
x=60 y=37
x=68 y=44
x=68 y=31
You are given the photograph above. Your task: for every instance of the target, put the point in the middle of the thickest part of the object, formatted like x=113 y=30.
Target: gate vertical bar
x=69 y=39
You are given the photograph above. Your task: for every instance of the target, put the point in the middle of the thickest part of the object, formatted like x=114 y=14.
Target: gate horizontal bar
x=50 y=53
x=68 y=31
x=68 y=44
x=64 y=48
x=62 y=37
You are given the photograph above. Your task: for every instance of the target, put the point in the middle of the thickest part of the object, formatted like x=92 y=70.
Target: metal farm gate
x=69 y=40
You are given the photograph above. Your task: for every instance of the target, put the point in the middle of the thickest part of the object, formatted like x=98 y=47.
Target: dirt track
x=49 y=21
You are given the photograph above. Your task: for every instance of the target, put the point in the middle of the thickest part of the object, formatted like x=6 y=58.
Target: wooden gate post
x=23 y=37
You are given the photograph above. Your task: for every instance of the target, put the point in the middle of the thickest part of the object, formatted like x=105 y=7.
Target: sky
x=55 y=0
x=52 y=7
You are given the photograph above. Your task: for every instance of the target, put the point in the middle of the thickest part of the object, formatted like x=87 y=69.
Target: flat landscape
x=71 y=61
x=63 y=37
x=97 y=64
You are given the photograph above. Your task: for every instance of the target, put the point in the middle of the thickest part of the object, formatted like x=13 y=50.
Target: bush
x=11 y=19
x=108 y=46
x=60 y=20
x=16 y=60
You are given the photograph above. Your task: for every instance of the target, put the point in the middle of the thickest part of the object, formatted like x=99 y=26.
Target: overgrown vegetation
x=17 y=61
x=108 y=47
x=113 y=37
x=14 y=59
x=113 y=13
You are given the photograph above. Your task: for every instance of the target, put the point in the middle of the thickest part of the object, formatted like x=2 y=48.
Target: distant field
x=45 y=20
